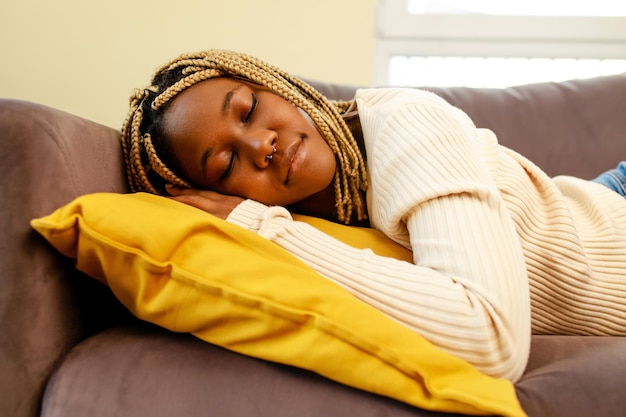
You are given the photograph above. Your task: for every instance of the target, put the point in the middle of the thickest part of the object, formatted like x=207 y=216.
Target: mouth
x=293 y=157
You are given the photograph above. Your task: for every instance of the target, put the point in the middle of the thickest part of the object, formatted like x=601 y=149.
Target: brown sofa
x=68 y=348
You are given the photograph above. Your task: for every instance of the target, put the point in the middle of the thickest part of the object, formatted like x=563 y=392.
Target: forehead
x=196 y=101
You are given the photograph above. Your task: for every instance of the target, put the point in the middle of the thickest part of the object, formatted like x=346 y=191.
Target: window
x=496 y=43
x=518 y=8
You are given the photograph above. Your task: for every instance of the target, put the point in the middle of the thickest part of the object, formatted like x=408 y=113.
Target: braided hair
x=148 y=161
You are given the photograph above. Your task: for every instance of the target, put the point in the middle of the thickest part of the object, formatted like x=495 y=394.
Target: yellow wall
x=85 y=56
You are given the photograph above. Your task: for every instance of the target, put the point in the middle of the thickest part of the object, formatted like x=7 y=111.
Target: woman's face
x=222 y=130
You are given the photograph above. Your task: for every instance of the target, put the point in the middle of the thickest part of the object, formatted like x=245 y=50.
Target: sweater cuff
x=248 y=214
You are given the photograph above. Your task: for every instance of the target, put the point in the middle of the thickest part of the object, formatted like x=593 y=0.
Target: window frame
x=398 y=32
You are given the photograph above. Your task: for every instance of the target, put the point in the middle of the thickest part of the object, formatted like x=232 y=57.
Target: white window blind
x=497 y=43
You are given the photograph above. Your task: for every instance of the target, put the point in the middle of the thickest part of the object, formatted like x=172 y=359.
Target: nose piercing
x=270 y=156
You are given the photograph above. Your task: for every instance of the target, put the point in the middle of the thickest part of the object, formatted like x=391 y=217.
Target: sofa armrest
x=47 y=158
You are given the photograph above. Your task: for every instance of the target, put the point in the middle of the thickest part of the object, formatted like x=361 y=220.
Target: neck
x=321 y=205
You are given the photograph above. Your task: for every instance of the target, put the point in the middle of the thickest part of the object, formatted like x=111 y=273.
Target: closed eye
x=229 y=167
x=248 y=115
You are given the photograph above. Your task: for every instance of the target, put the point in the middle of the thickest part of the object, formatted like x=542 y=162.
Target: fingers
x=210 y=201
x=174 y=190
x=190 y=196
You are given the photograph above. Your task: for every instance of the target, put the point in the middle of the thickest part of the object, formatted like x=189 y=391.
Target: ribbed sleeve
x=433 y=191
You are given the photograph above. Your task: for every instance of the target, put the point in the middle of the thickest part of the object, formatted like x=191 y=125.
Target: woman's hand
x=214 y=203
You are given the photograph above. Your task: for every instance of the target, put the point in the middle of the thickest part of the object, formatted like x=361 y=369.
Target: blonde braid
x=158 y=166
x=183 y=84
x=146 y=171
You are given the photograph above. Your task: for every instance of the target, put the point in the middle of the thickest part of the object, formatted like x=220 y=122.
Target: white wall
x=85 y=56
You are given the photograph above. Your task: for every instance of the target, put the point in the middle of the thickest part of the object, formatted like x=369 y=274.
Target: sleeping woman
x=500 y=250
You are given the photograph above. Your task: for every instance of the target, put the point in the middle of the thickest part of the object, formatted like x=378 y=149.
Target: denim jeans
x=615 y=179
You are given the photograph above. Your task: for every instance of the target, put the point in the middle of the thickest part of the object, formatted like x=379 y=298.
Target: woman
x=492 y=236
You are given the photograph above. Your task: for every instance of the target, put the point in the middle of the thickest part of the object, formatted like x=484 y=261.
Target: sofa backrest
x=574 y=128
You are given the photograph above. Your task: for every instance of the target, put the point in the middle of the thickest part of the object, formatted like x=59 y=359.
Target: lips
x=292 y=159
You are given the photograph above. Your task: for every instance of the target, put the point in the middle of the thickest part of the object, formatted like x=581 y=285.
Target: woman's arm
x=433 y=190
x=459 y=319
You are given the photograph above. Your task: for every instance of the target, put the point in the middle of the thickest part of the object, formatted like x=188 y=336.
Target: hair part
x=147 y=157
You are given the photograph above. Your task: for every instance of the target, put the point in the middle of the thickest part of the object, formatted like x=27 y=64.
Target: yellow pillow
x=177 y=267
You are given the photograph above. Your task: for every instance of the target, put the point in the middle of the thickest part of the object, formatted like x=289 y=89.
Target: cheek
x=327 y=161
x=255 y=187
x=306 y=117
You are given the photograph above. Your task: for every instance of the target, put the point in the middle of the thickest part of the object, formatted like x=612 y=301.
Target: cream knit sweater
x=498 y=247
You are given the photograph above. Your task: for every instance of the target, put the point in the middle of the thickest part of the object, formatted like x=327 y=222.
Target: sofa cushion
x=574 y=376
x=164 y=374
x=176 y=266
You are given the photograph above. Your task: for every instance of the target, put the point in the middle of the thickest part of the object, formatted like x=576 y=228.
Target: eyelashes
x=250 y=113
x=246 y=119
x=229 y=167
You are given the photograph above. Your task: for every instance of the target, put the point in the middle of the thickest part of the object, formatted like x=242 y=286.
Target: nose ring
x=270 y=156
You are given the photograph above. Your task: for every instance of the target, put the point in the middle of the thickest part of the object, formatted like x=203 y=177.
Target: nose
x=260 y=145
